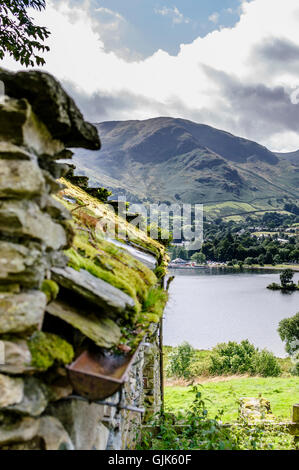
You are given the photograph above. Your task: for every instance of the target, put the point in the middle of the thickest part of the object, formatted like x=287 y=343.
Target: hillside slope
x=166 y=159
x=290 y=156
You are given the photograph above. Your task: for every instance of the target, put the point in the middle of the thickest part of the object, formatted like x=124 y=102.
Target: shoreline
x=279 y=267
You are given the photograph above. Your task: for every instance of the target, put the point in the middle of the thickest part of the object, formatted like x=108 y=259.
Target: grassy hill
x=291 y=156
x=176 y=160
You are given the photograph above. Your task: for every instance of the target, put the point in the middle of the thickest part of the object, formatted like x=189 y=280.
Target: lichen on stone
x=47 y=348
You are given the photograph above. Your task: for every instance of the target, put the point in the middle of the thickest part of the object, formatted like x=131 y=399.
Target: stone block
x=35 y=398
x=102 y=331
x=20 y=179
x=24 y=218
x=22 y=264
x=21 y=312
x=56 y=210
x=94 y=290
x=101 y=438
x=11 y=391
x=255 y=409
x=17 y=357
x=53 y=434
x=21 y=127
x=80 y=419
x=10 y=151
x=20 y=431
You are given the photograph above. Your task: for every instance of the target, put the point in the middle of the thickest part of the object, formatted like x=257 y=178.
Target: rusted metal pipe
x=107 y=403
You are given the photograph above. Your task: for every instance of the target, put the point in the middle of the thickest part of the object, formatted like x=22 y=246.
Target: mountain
x=290 y=156
x=167 y=159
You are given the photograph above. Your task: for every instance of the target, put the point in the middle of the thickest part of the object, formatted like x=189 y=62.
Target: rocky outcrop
x=53 y=107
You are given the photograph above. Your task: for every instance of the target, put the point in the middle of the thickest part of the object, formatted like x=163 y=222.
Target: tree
x=101 y=194
x=180 y=360
x=199 y=257
x=288 y=330
x=286 y=277
x=276 y=259
x=19 y=36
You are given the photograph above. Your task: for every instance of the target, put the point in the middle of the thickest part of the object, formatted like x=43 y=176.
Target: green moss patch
x=111 y=264
x=153 y=306
x=92 y=251
x=50 y=289
x=98 y=210
x=47 y=348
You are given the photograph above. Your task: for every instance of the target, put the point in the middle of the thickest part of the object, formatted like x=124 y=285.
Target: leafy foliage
x=289 y=332
x=266 y=364
x=286 y=277
x=180 y=360
x=102 y=194
x=230 y=242
x=234 y=358
x=199 y=257
x=19 y=36
x=225 y=359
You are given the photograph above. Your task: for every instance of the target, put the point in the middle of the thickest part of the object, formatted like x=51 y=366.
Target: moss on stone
x=147 y=318
x=113 y=265
x=94 y=207
x=93 y=251
x=50 y=289
x=47 y=348
x=153 y=307
x=156 y=300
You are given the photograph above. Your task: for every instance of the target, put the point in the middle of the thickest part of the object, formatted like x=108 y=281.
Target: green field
x=223 y=395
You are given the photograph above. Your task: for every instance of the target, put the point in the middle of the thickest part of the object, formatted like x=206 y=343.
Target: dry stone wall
x=38 y=409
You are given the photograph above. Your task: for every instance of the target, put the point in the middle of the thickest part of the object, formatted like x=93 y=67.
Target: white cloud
x=238 y=79
x=214 y=17
x=174 y=13
x=109 y=12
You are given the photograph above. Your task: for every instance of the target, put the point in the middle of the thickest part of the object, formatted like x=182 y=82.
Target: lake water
x=209 y=306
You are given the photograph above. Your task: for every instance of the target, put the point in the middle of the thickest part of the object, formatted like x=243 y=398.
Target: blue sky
x=158 y=24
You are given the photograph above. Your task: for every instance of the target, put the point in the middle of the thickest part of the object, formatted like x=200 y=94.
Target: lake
x=209 y=306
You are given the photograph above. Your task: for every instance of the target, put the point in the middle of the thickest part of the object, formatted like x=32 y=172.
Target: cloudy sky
x=231 y=64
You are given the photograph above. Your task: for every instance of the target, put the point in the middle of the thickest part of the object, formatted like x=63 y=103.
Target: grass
x=228 y=208
x=282 y=392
